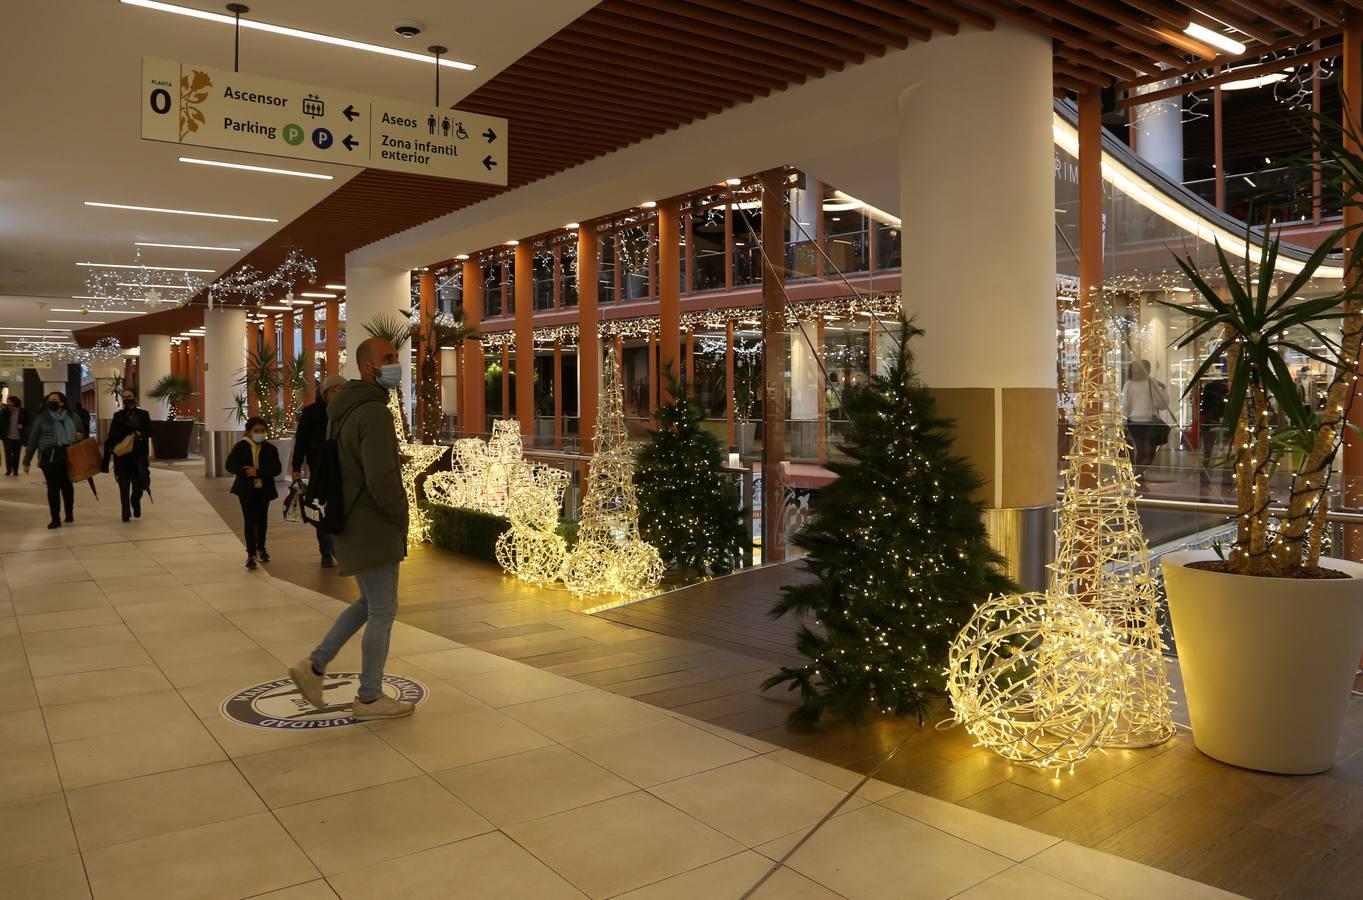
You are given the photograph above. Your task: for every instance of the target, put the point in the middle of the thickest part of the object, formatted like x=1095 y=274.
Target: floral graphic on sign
x=193 y=91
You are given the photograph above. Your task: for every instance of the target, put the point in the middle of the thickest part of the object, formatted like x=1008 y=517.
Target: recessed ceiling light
x=334 y=287
x=173 y=287
x=1215 y=38
x=296 y=33
x=733 y=182
x=181 y=212
x=317 y=294
x=512 y=243
x=96 y=265
x=186 y=247
x=96 y=312
x=572 y=226
x=278 y=308
x=67 y=322
x=649 y=204
x=245 y=168
x=462 y=256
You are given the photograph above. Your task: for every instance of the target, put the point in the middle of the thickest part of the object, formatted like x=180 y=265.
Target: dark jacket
x=371 y=479
x=124 y=423
x=42 y=435
x=4 y=422
x=312 y=431
x=268 y=471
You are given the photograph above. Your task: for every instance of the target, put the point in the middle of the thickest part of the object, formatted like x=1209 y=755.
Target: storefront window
x=567 y=262
x=632 y=244
x=706 y=246
x=492 y=288
x=802 y=228
x=887 y=246
x=709 y=363
x=606 y=271
x=543 y=278
x=845 y=233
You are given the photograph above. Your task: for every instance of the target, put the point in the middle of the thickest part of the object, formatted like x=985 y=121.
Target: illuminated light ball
x=1036 y=679
x=532 y=556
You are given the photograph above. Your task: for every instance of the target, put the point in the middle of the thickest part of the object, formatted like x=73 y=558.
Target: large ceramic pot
x=1267 y=663
x=170 y=437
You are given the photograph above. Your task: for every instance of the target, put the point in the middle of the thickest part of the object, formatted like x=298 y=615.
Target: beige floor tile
x=582 y=714
x=409 y=641
x=17 y=693
x=173 y=612
x=364 y=827
x=323 y=769
x=32 y=602
x=660 y=751
x=441 y=698
x=488 y=867
x=21 y=729
x=621 y=844
x=734 y=877
x=1022 y=883
x=445 y=741
x=52 y=879
x=9 y=626
x=840 y=778
x=1117 y=879
x=77 y=638
x=197 y=647
x=137 y=808
x=27 y=771
x=100 y=685
x=94 y=718
x=192 y=623
x=313 y=890
x=237 y=858
x=874 y=853
x=461 y=662
x=245 y=740
x=80 y=618
x=86 y=659
x=532 y=784
x=1004 y=838
x=247 y=666
x=522 y=684
x=128 y=754
x=34 y=829
x=753 y=801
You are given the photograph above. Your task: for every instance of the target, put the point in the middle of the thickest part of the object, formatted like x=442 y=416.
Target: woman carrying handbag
x=52 y=431
x=127 y=446
x=1143 y=401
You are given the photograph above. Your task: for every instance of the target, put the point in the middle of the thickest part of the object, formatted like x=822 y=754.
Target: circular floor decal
x=278 y=704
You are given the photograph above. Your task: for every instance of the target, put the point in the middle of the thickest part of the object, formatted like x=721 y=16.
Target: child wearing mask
x=255 y=463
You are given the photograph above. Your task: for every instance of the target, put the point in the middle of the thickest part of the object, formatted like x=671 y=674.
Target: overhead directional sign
x=203 y=107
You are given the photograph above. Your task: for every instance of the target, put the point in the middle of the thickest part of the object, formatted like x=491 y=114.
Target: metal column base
x=1025 y=536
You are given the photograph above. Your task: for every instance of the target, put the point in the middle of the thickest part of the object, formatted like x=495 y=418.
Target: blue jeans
x=374 y=611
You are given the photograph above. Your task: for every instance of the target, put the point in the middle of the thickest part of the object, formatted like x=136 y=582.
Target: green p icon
x=293 y=134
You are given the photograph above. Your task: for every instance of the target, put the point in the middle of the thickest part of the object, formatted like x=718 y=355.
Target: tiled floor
x=122 y=779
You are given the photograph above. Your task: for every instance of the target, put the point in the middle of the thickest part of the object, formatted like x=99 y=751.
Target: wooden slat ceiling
x=632 y=69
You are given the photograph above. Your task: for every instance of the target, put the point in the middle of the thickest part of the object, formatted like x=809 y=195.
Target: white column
x=372 y=293
x=1159 y=131
x=449 y=383
x=54 y=380
x=224 y=359
x=979 y=238
x=153 y=355
x=104 y=373
x=806 y=383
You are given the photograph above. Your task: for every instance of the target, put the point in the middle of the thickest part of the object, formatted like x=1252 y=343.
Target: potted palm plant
x=170 y=437
x=1269 y=637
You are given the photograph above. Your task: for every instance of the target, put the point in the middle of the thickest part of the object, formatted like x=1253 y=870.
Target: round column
x=979 y=268
x=1159 y=131
x=106 y=404
x=372 y=293
x=154 y=364
x=224 y=359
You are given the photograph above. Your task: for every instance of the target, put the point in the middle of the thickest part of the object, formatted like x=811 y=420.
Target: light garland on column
x=610 y=557
x=416 y=459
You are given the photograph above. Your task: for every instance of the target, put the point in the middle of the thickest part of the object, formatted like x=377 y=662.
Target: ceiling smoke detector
x=408 y=28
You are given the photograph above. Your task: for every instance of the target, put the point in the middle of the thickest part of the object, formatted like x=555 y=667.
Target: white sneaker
x=383 y=708
x=308 y=682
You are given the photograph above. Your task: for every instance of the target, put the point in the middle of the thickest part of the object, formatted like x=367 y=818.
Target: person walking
x=50 y=433
x=1144 y=400
x=374 y=541
x=307 y=444
x=14 y=431
x=129 y=423
x=255 y=463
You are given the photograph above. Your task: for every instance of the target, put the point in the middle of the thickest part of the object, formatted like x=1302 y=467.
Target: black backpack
x=323 y=504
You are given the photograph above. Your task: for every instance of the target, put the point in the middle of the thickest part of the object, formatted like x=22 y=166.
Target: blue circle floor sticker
x=279 y=705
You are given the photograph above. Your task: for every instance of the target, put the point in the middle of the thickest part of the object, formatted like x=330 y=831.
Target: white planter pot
x=1267 y=663
x=285 y=447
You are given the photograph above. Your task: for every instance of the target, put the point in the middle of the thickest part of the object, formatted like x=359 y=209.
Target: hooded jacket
x=371 y=478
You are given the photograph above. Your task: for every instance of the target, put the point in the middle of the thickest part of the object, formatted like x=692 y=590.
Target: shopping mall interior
x=805 y=449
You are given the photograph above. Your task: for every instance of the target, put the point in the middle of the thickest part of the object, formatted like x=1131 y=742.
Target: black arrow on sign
x=490 y=135
x=489 y=162
x=350 y=142
x=350 y=114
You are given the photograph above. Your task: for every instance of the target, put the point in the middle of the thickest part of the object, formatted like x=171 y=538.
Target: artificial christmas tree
x=899 y=550
x=688 y=509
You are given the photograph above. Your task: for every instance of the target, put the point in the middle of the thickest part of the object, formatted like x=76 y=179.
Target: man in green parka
x=374 y=541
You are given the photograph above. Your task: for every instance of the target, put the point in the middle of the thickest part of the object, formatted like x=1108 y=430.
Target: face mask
x=258 y=438
x=53 y=405
x=389 y=376
x=129 y=403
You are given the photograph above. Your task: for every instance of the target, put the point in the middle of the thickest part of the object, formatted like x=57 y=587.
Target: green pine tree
x=688 y=509
x=900 y=554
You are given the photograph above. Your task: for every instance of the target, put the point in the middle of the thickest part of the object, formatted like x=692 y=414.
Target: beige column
x=588 y=340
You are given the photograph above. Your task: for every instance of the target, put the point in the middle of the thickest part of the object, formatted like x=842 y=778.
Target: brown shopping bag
x=83 y=460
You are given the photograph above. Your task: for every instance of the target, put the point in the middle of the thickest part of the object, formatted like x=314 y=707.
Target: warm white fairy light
x=532 y=549
x=610 y=557
x=416 y=459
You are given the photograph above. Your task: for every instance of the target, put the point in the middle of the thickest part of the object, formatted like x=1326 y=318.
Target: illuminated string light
x=416 y=459
x=532 y=549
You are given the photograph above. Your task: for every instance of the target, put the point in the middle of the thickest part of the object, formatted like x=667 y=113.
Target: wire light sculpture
x=482 y=475
x=610 y=557
x=532 y=549
x=1045 y=679
x=416 y=459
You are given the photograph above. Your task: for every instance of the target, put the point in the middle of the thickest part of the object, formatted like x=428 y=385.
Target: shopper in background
x=13 y=431
x=53 y=430
x=1143 y=401
x=307 y=443
x=374 y=541
x=255 y=463
x=129 y=422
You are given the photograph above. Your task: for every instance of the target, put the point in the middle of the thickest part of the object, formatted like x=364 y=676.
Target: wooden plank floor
x=705 y=651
